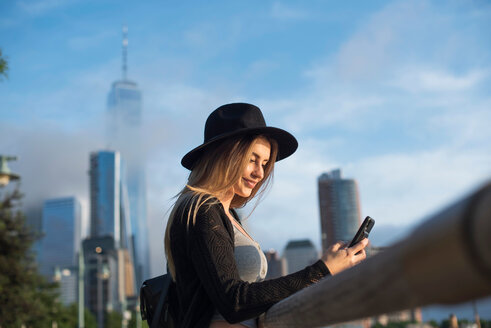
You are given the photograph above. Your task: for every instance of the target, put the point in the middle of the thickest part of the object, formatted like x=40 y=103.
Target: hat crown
x=237 y=119
x=233 y=117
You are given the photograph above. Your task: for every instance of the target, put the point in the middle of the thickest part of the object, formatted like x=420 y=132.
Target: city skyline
x=393 y=92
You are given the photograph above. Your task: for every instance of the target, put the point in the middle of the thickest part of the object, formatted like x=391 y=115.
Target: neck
x=226 y=199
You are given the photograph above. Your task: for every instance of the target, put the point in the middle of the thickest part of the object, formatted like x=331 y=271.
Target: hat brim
x=287 y=143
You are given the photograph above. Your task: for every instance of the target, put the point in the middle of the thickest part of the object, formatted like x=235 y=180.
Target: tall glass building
x=110 y=247
x=123 y=130
x=61 y=225
x=109 y=201
x=339 y=208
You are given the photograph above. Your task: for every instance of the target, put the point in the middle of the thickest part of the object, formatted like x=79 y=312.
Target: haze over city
x=394 y=93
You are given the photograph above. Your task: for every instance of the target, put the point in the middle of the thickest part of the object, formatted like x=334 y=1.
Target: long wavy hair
x=214 y=174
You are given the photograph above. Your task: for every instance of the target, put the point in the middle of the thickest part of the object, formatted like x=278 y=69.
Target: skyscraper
x=276 y=264
x=61 y=226
x=339 y=208
x=124 y=117
x=108 y=253
x=109 y=204
x=299 y=254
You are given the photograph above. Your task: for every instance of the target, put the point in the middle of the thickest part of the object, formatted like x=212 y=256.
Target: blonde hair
x=214 y=174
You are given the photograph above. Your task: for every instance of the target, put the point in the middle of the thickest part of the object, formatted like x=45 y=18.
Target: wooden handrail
x=446 y=260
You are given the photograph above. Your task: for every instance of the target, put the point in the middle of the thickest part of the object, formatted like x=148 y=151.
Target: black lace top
x=207 y=277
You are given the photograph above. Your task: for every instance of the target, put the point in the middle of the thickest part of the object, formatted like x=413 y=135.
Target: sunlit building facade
x=105 y=195
x=339 y=208
x=109 y=201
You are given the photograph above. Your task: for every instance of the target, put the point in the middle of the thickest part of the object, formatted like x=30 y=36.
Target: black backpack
x=155 y=302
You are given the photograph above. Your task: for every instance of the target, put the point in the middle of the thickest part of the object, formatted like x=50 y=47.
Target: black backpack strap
x=163 y=294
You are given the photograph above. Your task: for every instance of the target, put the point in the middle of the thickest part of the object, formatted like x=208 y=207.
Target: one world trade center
x=124 y=133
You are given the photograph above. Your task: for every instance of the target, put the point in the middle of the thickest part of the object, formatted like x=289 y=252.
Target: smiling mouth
x=249 y=184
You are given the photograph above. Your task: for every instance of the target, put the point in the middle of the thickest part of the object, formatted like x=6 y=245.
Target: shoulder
x=200 y=211
x=190 y=203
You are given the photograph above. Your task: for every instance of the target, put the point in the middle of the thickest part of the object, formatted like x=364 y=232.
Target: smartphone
x=364 y=230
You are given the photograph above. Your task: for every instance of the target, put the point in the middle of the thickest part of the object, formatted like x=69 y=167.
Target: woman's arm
x=211 y=250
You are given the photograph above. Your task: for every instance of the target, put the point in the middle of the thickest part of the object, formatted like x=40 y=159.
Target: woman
x=218 y=268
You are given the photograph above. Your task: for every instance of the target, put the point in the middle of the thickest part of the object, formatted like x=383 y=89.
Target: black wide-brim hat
x=238 y=119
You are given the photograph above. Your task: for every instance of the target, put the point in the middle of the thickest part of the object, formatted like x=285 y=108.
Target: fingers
x=359 y=246
x=338 y=257
x=357 y=258
x=335 y=247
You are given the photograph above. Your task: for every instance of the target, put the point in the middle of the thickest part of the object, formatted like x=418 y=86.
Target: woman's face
x=254 y=171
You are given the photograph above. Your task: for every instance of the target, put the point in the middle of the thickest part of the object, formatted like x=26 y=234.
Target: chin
x=244 y=194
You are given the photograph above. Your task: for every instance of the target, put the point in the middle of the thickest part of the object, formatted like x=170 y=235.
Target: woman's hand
x=338 y=257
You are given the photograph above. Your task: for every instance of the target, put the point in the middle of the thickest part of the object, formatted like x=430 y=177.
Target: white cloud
x=38 y=7
x=280 y=10
x=321 y=110
x=211 y=39
x=418 y=80
x=52 y=161
x=467 y=128
x=261 y=67
x=380 y=41
x=403 y=188
x=398 y=189
x=411 y=34
x=78 y=101
x=382 y=76
x=200 y=35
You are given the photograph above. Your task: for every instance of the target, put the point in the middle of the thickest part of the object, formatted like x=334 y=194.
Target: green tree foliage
x=25 y=295
x=3 y=66
x=445 y=323
x=68 y=317
x=113 y=319
x=132 y=321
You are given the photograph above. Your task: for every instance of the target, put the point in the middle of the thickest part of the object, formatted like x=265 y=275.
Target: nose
x=258 y=172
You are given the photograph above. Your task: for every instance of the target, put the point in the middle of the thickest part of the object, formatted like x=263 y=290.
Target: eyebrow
x=257 y=155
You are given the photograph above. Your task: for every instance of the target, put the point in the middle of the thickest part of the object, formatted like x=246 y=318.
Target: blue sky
x=395 y=93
